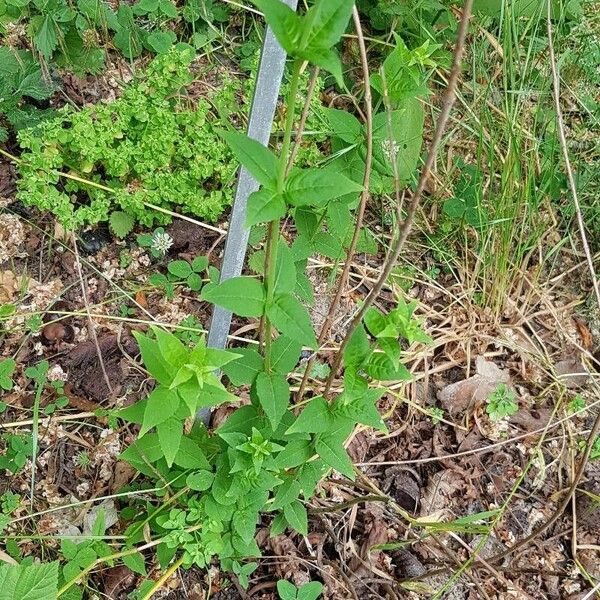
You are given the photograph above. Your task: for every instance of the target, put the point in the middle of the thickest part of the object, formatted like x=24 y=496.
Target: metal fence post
x=264 y=102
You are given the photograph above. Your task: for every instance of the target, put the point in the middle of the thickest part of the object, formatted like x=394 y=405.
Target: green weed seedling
x=181 y=272
x=309 y=591
x=501 y=403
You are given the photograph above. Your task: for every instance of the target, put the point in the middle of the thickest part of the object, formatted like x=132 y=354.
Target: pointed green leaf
x=292 y=319
x=317 y=187
x=331 y=449
x=244 y=370
x=358 y=348
x=296 y=515
x=285 y=353
x=260 y=161
x=315 y=418
x=285 y=23
x=344 y=125
x=161 y=404
x=273 y=394
x=152 y=359
x=245 y=296
x=295 y=453
x=263 y=206
x=190 y=455
x=135 y=562
x=170 y=433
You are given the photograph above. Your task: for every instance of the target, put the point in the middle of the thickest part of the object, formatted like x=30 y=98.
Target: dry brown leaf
x=464 y=395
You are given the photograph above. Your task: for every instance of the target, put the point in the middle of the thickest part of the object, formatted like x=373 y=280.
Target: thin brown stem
x=406 y=226
x=343 y=279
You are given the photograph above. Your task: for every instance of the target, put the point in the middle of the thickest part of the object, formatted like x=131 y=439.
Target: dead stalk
x=343 y=279
x=406 y=226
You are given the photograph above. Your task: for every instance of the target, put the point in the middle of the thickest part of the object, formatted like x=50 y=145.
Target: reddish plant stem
x=406 y=226
x=343 y=279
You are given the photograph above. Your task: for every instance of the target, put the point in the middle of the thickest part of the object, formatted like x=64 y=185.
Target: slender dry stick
x=90 y=322
x=406 y=226
x=341 y=284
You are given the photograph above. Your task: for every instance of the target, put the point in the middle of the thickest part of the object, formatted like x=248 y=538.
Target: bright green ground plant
x=153 y=145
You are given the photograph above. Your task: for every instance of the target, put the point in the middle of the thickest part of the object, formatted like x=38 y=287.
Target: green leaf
x=273 y=394
x=315 y=418
x=327 y=60
x=199 y=481
x=143 y=450
x=286 y=590
x=244 y=370
x=380 y=367
x=292 y=319
x=194 y=282
x=406 y=136
x=278 y=526
x=286 y=493
x=135 y=562
x=244 y=523
x=328 y=21
x=375 y=321
x=180 y=268
x=190 y=455
x=310 y=591
x=296 y=515
x=260 y=161
x=317 y=187
x=152 y=359
x=161 y=41
x=121 y=223
x=31 y=582
x=263 y=206
x=170 y=433
x=199 y=264
x=327 y=245
x=285 y=352
x=344 y=125
x=285 y=23
x=295 y=453
x=454 y=208
x=245 y=296
x=45 y=39
x=358 y=348
x=363 y=409
x=161 y=404
x=168 y=9
x=7 y=368
x=330 y=448
x=285 y=269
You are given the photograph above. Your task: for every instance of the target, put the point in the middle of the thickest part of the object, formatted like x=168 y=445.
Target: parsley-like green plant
x=153 y=146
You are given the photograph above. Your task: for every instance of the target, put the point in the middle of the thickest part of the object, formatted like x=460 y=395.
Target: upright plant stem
x=406 y=226
x=273 y=228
